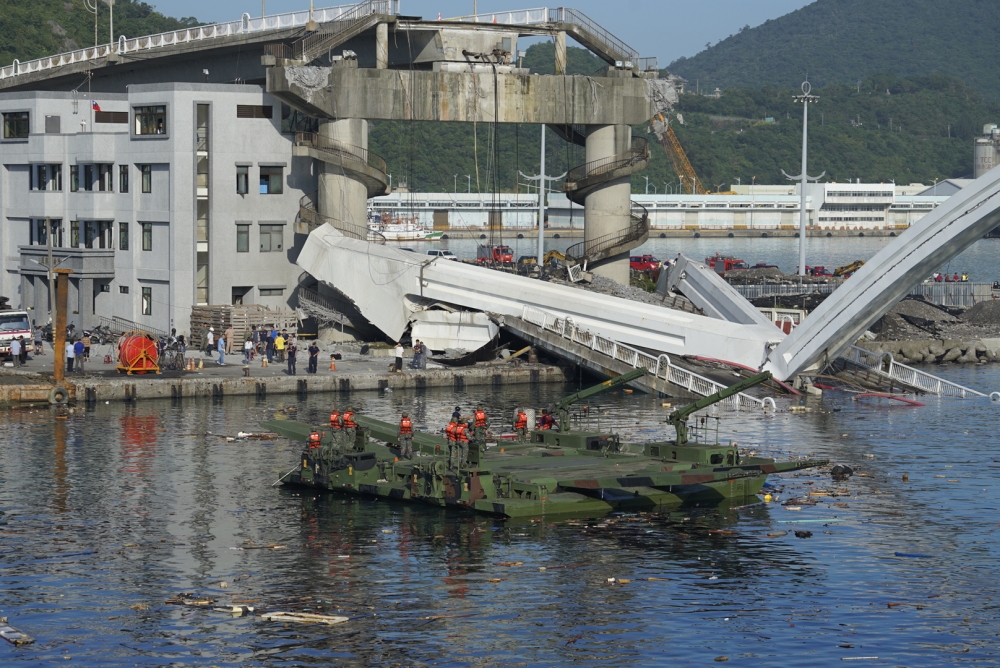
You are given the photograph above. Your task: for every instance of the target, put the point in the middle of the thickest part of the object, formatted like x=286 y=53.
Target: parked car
x=444 y=252
x=643 y=262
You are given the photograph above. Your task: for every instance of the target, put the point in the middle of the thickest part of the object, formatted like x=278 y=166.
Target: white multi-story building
x=157 y=199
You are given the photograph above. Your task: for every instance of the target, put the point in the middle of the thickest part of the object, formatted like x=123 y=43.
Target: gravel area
x=984 y=314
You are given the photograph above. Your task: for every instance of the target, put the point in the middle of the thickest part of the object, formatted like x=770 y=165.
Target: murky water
x=111 y=512
x=979 y=260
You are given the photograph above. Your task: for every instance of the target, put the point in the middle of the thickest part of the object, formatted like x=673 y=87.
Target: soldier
x=521 y=425
x=337 y=427
x=479 y=428
x=462 y=441
x=350 y=428
x=405 y=437
x=314 y=440
x=449 y=434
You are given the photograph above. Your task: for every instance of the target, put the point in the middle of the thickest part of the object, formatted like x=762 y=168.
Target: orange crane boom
x=678 y=158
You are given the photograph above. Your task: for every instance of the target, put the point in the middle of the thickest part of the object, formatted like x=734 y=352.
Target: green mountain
x=40 y=28
x=842 y=41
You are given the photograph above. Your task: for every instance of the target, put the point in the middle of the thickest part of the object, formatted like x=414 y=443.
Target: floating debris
x=303 y=618
x=12 y=635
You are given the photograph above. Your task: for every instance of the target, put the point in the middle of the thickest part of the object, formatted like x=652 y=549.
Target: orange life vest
x=449 y=431
x=405 y=426
x=461 y=433
x=349 y=422
x=314 y=442
x=480 y=419
x=547 y=421
x=521 y=421
x=335 y=419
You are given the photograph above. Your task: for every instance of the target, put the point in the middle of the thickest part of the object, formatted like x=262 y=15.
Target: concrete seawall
x=195 y=385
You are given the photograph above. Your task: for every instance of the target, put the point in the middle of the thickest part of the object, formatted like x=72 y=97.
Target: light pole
x=753 y=182
x=542 y=189
x=469 y=177
x=456 y=183
x=680 y=185
x=647 y=185
x=654 y=189
x=806 y=99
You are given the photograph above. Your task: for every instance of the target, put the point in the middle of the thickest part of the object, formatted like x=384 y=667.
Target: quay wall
x=136 y=388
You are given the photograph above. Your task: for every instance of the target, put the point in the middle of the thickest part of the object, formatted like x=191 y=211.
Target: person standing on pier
x=78 y=354
x=399 y=357
x=39 y=341
x=222 y=351
x=229 y=340
x=405 y=436
x=15 y=351
x=291 y=351
x=313 y=350
x=210 y=341
x=279 y=347
x=70 y=354
x=521 y=425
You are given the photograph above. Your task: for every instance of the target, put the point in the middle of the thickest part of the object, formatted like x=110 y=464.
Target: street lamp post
x=647 y=185
x=456 y=183
x=753 y=182
x=469 y=177
x=806 y=99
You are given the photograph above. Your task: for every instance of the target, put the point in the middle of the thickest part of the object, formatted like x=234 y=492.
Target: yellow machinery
x=678 y=158
x=849 y=268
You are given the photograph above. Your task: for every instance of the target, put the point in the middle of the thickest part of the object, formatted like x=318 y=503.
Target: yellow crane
x=678 y=157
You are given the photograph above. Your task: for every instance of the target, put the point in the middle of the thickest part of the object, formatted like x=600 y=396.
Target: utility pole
x=456 y=183
x=806 y=99
x=542 y=190
x=48 y=269
x=469 y=186
x=92 y=7
x=111 y=21
x=647 y=185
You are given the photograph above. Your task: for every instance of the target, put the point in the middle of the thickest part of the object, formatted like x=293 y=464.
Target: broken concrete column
x=560 y=53
x=340 y=196
x=606 y=210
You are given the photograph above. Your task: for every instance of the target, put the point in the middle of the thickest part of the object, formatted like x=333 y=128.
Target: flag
x=94 y=105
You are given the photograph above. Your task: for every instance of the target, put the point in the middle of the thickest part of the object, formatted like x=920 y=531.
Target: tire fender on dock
x=58 y=396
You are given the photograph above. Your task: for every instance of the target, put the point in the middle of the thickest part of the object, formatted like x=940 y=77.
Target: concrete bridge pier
x=341 y=195
x=607 y=208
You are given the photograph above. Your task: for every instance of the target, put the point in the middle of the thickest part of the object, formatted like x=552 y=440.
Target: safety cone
x=494 y=18
x=201 y=363
x=263 y=362
x=333 y=364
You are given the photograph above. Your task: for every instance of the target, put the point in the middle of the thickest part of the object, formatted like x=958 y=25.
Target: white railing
x=885 y=366
x=243 y=26
x=658 y=366
x=520 y=17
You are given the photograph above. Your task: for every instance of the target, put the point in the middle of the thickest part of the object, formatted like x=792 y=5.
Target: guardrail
x=310 y=215
x=637 y=231
x=943 y=294
x=884 y=365
x=119 y=326
x=638 y=153
x=658 y=366
x=547 y=15
x=349 y=151
x=245 y=25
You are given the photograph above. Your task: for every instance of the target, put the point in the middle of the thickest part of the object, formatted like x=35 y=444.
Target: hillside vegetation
x=37 y=28
x=842 y=41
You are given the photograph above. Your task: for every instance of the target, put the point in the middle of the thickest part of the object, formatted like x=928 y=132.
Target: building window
x=38 y=235
x=123 y=178
x=270 y=292
x=123 y=289
x=74 y=234
x=147 y=301
x=270 y=180
x=150 y=120
x=88 y=177
x=147 y=236
x=103 y=178
x=242 y=238
x=15 y=125
x=147 y=178
x=122 y=236
x=105 y=287
x=254 y=111
x=46 y=177
x=242 y=180
x=74 y=178
x=271 y=237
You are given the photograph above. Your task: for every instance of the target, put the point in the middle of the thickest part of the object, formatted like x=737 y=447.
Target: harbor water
x=114 y=510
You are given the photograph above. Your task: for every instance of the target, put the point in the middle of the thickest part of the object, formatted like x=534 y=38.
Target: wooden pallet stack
x=242 y=318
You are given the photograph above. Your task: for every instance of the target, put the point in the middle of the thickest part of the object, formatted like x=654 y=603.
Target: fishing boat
x=400 y=229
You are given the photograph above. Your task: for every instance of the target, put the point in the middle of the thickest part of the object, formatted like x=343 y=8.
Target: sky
x=667 y=29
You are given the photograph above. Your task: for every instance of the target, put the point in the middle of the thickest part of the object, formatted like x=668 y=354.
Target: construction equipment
x=679 y=417
x=677 y=156
x=562 y=406
x=849 y=268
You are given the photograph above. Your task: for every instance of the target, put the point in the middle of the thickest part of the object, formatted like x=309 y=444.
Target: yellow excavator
x=849 y=268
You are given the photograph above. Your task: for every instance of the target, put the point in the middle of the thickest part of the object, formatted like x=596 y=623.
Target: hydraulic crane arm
x=562 y=406
x=679 y=417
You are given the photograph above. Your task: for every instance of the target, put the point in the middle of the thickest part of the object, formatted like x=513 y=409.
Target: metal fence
x=658 y=366
x=942 y=294
x=884 y=365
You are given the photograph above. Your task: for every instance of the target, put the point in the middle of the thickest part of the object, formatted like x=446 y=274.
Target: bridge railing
x=345 y=151
x=637 y=153
x=884 y=365
x=657 y=365
x=243 y=26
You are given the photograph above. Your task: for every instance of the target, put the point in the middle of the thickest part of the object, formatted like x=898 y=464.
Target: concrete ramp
x=388 y=285
x=713 y=295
